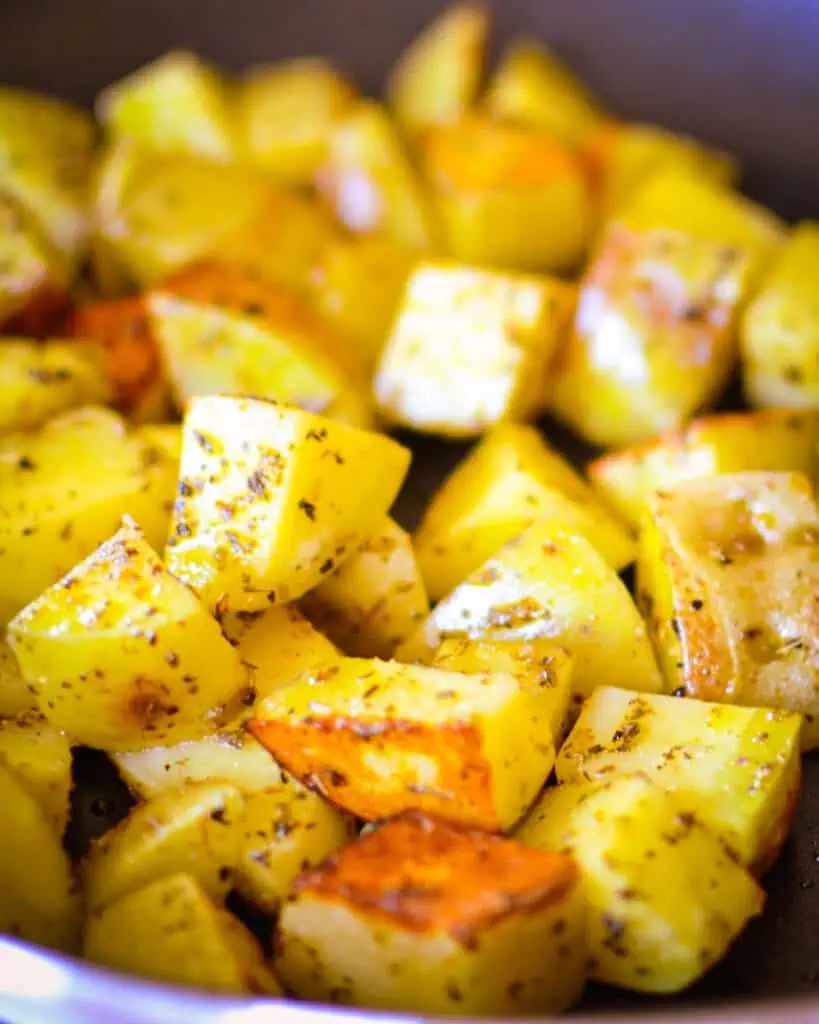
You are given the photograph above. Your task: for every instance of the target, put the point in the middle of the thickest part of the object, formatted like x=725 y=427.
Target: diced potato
x=40 y=757
x=30 y=272
x=45 y=159
x=39 y=381
x=119 y=652
x=533 y=87
x=538 y=665
x=369 y=182
x=15 y=696
x=780 y=330
x=774 y=439
x=221 y=331
x=428 y=918
x=510 y=479
x=727 y=577
x=116 y=167
x=63 y=490
x=122 y=330
x=550 y=584
x=436 y=79
x=665 y=898
x=285 y=113
x=375 y=599
x=507 y=195
x=469 y=348
x=174 y=103
x=285 y=830
x=378 y=738
x=160 y=450
x=622 y=157
x=737 y=769
x=357 y=287
x=37 y=898
x=172 y=931
x=269 y=495
x=194 y=829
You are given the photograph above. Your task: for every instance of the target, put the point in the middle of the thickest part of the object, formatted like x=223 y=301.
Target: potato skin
x=448 y=921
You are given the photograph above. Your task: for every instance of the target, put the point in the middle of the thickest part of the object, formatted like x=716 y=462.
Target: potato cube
x=15 y=696
x=375 y=599
x=120 y=652
x=665 y=897
x=553 y=585
x=272 y=498
x=507 y=195
x=727 y=576
x=425 y=917
x=174 y=103
x=30 y=272
x=533 y=87
x=221 y=331
x=738 y=769
x=369 y=182
x=40 y=757
x=469 y=348
x=160 y=450
x=172 y=931
x=285 y=113
x=378 y=738
x=774 y=439
x=194 y=829
x=38 y=901
x=436 y=79
x=510 y=479
x=779 y=340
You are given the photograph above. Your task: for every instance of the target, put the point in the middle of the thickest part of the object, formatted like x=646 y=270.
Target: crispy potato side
x=779 y=340
x=511 y=478
x=222 y=331
x=665 y=898
x=378 y=738
x=174 y=103
x=193 y=829
x=120 y=652
x=38 y=381
x=554 y=585
x=272 y=498
x=436 y=78
x=375 y=600
x=507 y=195
x=40 y=756
x=15 y=697
x=469 y=348
x=285 y=113
x=38 y=902
x=727 y=577
x=533 y=87
x=425 y=917
x=737 y=769
x=32 y=276
x=772 y=439
x=172 y=931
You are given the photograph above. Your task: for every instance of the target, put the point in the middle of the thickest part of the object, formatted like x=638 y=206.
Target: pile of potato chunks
x=462 y=771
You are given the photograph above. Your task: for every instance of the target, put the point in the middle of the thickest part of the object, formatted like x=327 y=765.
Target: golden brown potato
x=15 y=696
x=222 y=331
x=727 y=577
x=160 y=449
x=428 y=918
x=32 y=276
x=780 y=330
x=40 y=757
x=774 y=439
x=38 y=902
x=506 y=482
x=120 y=652
x=172 y=931
x=272 y=498
x=546 y=583
x=665 y=898
x=285 y=113
x=436 y=78
x=378 y=738
x=507 y=195
x=369 y=605
x=469 y=348
x=737 y=769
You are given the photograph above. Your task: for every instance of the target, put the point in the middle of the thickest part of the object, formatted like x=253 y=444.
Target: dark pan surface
x=740 y=73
